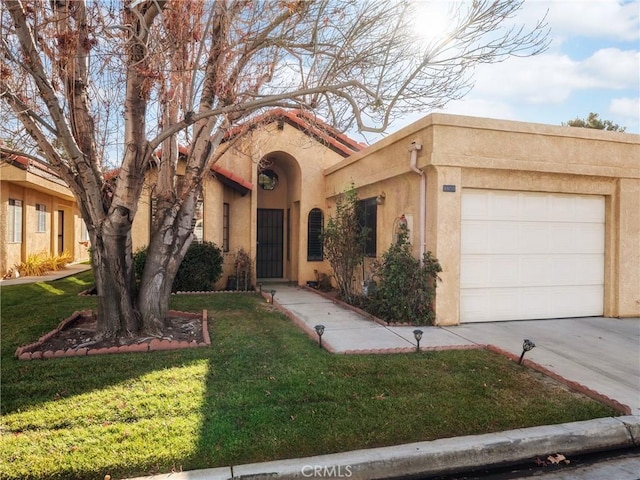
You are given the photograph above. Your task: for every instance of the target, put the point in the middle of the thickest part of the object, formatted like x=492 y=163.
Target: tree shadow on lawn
x=262 y=391
x=31 y=310
x=272 y=394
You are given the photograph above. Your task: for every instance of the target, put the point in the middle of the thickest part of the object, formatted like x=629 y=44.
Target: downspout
x=414 y=148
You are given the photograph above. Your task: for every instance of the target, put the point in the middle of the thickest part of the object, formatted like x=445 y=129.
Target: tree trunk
x=161 y=267
x=167 y=248
x=115 y=284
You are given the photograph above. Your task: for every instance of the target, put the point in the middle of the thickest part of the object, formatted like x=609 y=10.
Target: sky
x=592 y=65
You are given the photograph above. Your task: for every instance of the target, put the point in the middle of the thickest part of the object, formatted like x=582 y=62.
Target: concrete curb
x=441 y=457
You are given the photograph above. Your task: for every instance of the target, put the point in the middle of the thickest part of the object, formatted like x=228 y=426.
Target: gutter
x=414 y=148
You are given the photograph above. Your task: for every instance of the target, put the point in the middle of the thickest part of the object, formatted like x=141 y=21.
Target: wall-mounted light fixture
x=381 y=198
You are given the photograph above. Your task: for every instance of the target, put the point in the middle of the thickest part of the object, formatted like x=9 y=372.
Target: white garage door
x=528 y=255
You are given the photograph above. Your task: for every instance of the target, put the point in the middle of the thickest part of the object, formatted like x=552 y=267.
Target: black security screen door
x=270 y=243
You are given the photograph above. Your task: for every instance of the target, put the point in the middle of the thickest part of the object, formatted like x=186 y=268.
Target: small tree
x=344 y=241
x=406 y=288
x=594 y=121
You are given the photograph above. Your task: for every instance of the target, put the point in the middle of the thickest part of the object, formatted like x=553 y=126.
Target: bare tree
x=85 y=79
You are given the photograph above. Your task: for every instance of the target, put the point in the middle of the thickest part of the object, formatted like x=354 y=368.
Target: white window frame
x=41 y=217
x=84 y=232
x=14 y=221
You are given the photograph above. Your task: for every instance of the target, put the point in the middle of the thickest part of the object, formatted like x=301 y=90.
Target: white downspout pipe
x=414 y=148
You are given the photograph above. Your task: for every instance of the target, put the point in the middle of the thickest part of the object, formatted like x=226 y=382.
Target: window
x=14 y=221
x=268 y=180
x=84 y=232
x=225 y=227
x=368 y=210
x=315 y=252
x=41 y=213
x=288 y=234
x=197 y=224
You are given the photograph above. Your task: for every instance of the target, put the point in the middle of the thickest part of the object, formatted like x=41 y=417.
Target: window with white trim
x=14 y=221
x=41 y=218
x=225 y=227
x=84 y=232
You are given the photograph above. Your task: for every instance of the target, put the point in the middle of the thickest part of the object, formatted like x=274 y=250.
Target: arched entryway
x=278 y=210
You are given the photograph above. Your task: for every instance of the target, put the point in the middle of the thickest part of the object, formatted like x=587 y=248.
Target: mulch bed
x=76 y=336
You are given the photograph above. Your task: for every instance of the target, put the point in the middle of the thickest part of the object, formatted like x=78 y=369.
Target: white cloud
x=547 y=78
x=625 y=107
x=550 y=78
x=626 y=112
x=601 y=19
x=612 y=68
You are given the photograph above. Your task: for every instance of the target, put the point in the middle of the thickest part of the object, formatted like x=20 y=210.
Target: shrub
x=406 y=289
x=344 y=242
x=200 y=269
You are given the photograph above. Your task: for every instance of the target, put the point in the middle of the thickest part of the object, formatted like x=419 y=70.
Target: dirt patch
x=77 y=336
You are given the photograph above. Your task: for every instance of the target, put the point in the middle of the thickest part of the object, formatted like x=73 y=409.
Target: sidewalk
x=71 y=269
x=348 y=332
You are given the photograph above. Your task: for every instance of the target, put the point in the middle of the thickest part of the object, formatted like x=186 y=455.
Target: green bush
x=406 y=289
x=200 y=269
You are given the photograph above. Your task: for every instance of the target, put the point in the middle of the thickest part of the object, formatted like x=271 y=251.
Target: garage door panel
x=563 y=238
x=529 y=255
x=534 y=269
x=533 y=207
x=475 y=205
x=475 y=304
x=589 y=208
x=475 y=238
x=503 y=207
x=475 y=272
x=503 y=238
x=534 y=303
x=534 y=238
x=590 y=269
x=503 y=271
x=590 y=238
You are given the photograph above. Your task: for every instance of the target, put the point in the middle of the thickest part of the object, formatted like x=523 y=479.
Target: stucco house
x=38 y=214
x=528 y=221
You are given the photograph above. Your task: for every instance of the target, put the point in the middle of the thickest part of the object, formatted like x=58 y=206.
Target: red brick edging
x=569 y=383
x=30 y=352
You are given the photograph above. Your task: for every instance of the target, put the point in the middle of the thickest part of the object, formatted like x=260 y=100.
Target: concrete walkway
x=71 y=269
x=602 y=354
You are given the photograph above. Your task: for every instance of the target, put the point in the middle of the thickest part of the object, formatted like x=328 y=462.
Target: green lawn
x=262 y=391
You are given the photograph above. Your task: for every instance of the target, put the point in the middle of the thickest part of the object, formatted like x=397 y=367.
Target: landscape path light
x=418 y=336
x=273 y=294
x=260 y=287
x=319 y=331
x=526 y=346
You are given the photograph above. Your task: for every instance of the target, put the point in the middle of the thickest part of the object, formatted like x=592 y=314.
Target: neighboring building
x=528 y=221
x=38 y=214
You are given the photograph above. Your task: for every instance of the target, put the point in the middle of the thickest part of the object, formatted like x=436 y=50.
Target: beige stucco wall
x=34 y=189
x=299 y=161
x=481 y=153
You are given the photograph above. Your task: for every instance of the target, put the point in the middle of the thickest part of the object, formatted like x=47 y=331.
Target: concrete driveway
x=602 y=354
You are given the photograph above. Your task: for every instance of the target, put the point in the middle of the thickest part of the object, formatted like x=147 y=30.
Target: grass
x=263 y=391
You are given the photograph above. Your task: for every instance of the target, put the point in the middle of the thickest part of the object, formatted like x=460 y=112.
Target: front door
x=270 y=243
x=60 y=231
